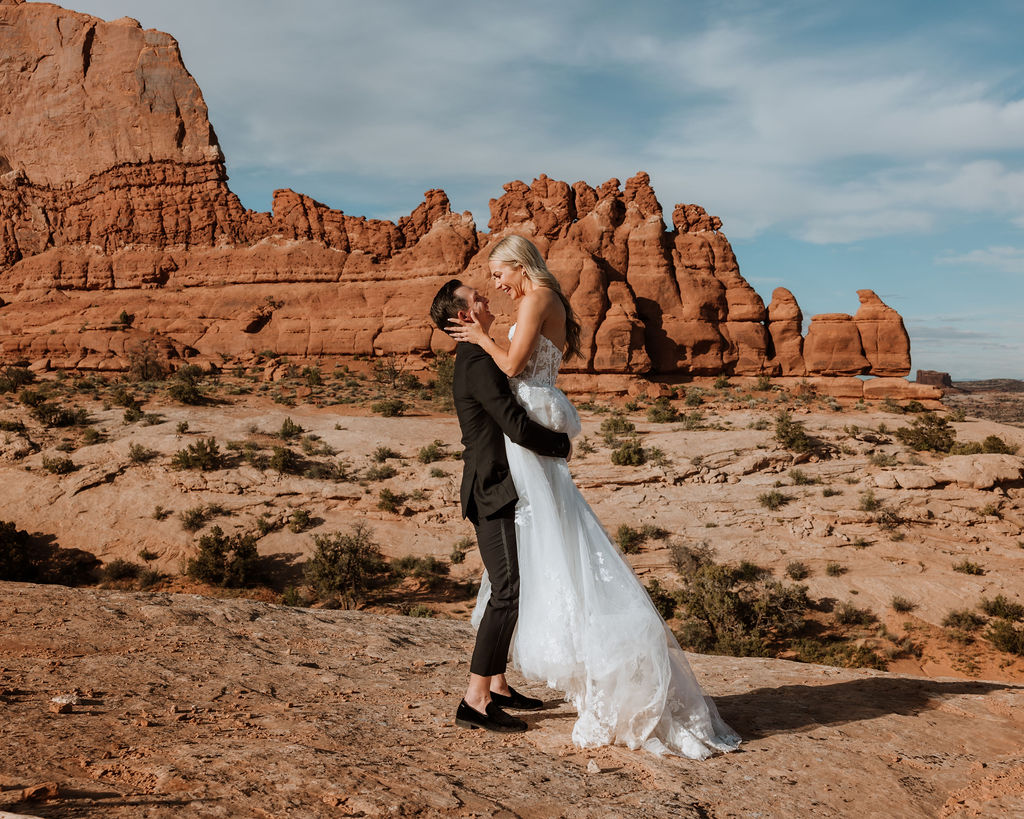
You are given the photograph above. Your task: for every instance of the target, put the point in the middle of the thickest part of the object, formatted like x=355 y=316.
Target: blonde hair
x=521 y=251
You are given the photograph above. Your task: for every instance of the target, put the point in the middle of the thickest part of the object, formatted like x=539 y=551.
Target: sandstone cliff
x=114 y=196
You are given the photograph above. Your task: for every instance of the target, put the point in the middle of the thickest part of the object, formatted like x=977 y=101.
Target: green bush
x=694 y=397
x=629 y=453
x=390 y=501
x=628 y=539
x=431 y=452
x=725 y=613
x=964 y=620
x=928 y=432
x=617 y=424
x=54 y=415
x=459 y=550
x=230 y=561
x=801 y=478
x=289 y=429
x=139 y=454
x=791 y=434
x=868 y=502
x=889 y=519
x=797 y=570
x=299 y=521
x=204 y=454
x=662 y=411
x=967 y=567
x=902 y=604
x=380 y=472
x=120 y=570
x=773 y=500
x=284 y=460
x=991 y=444
x=193 y=519
x=833 y=569
x=429 y=569
x=1004 y=636
x=390 y=407
x=999 y=606
x=348 y=565
x=14 y=378
x=443 y=367
x=847 y=614
x=663 y=600
x=383 y=453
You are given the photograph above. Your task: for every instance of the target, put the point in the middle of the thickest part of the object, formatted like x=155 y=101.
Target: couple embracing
x=556 y=593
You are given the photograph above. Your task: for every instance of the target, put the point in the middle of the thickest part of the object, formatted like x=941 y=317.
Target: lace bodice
x=542 y=368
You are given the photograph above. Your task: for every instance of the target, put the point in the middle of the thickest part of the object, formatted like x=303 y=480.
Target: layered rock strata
x=114 y=197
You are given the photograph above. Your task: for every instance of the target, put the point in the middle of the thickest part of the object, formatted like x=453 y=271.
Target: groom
x=487 y=410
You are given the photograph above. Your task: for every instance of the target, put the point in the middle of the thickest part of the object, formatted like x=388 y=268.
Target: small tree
x=346 y=564
x=225 y=560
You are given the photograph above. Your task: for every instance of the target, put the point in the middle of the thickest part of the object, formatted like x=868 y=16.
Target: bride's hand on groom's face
x=471 y=331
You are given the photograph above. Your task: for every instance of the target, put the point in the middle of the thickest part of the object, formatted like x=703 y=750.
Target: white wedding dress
x=586 y=624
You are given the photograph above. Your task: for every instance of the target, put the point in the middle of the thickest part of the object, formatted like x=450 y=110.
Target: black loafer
x=494 y=720
x=517 y=701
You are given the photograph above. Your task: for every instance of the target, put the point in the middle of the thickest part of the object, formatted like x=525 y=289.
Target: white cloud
x=1004 y=258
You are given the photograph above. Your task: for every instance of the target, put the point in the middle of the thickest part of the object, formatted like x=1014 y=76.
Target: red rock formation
x=882 y=335
x=113 y=195
x=785 y=324
x=833 y=346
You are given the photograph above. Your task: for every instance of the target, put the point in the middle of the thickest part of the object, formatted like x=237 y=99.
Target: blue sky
x=844 y=146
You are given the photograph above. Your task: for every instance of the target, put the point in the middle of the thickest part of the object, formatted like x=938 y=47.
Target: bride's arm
x=528 y=323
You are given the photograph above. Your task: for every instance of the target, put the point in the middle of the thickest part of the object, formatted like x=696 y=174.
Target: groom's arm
x=491 y=389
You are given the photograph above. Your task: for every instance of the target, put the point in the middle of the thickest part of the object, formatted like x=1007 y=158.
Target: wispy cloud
x=1004 y=258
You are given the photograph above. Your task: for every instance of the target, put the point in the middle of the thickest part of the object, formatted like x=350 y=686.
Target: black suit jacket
x=487 y=410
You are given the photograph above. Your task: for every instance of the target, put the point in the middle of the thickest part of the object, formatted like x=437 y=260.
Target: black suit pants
x=496 y=538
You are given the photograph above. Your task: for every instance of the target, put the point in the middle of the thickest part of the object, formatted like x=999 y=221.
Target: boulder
x=883 y=337
x=980 y=471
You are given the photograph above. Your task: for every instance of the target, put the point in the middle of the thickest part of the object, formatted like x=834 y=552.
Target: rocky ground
x=999 y=399
x=181 y=699
x=159 y=705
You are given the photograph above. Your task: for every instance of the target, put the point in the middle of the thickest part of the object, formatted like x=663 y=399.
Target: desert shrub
x=833 y=569
x=993 y=444
x=7 y=425
x=33 y=398
x=390 y=407
x=801 y=478
x=883 y=459
x=380 y=472
x=58 y=465
x=999 y=606
x=692 y=420
x=289 y=429
x=225 y=560
x=147 y=578
x=185 y=389
x=430 y=570
x=312 y=376
x=120 y=570
x=722 y=382
x=159 y=513
x=967 y=567
x=760 y=423
x=726 y=614
x=459 y=550
x=55 y=415
x=145 y=362
x=694 y=397
x=663 y=600
x=390 y=501
x=889 y=519
x=928 y=432
x=443 y=367
x=902 y=604
x=842 y=653
x=662 y=411
x=868 y=502
x=194 y=518
x=147 y=555
x=284 y=460
x=14 y=378
x=419 y=610
x=847 y=614
x=617 y=424
x=764 y=383
x=292 y=597
x=139 y=454
x=861 y=542
x=433 y=451
x=264 y=525
x=829 y=492
x=773 y=500
x=1004 y=636
x=204 y=454
x=797 y=570
x=963 y=620
x=791 y=434
x=688 y=559
x=383 y=453
x=181 y=428
x=132 y=414
x=628 y=539
x=629 y=453
x=299 y=521
x=15 y=553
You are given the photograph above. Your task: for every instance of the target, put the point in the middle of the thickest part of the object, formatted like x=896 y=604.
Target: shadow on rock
x=766 y=711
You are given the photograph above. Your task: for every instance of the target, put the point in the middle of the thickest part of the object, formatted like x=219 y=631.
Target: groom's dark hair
x=446 y=305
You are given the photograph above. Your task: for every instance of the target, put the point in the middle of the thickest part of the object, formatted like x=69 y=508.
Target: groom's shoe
x=494 y=720
x=516 y=700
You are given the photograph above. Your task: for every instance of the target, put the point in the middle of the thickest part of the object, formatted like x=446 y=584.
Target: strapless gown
x=586 y=624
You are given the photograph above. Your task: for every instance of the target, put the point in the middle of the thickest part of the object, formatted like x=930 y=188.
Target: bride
x=586 y=624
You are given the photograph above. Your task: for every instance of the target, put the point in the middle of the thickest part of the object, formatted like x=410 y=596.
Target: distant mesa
x=114 y=196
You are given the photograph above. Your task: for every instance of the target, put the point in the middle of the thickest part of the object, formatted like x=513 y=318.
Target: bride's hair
x=521 y=251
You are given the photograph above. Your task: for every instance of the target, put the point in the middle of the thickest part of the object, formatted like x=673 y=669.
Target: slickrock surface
x=114 y=197
x=181 y=705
